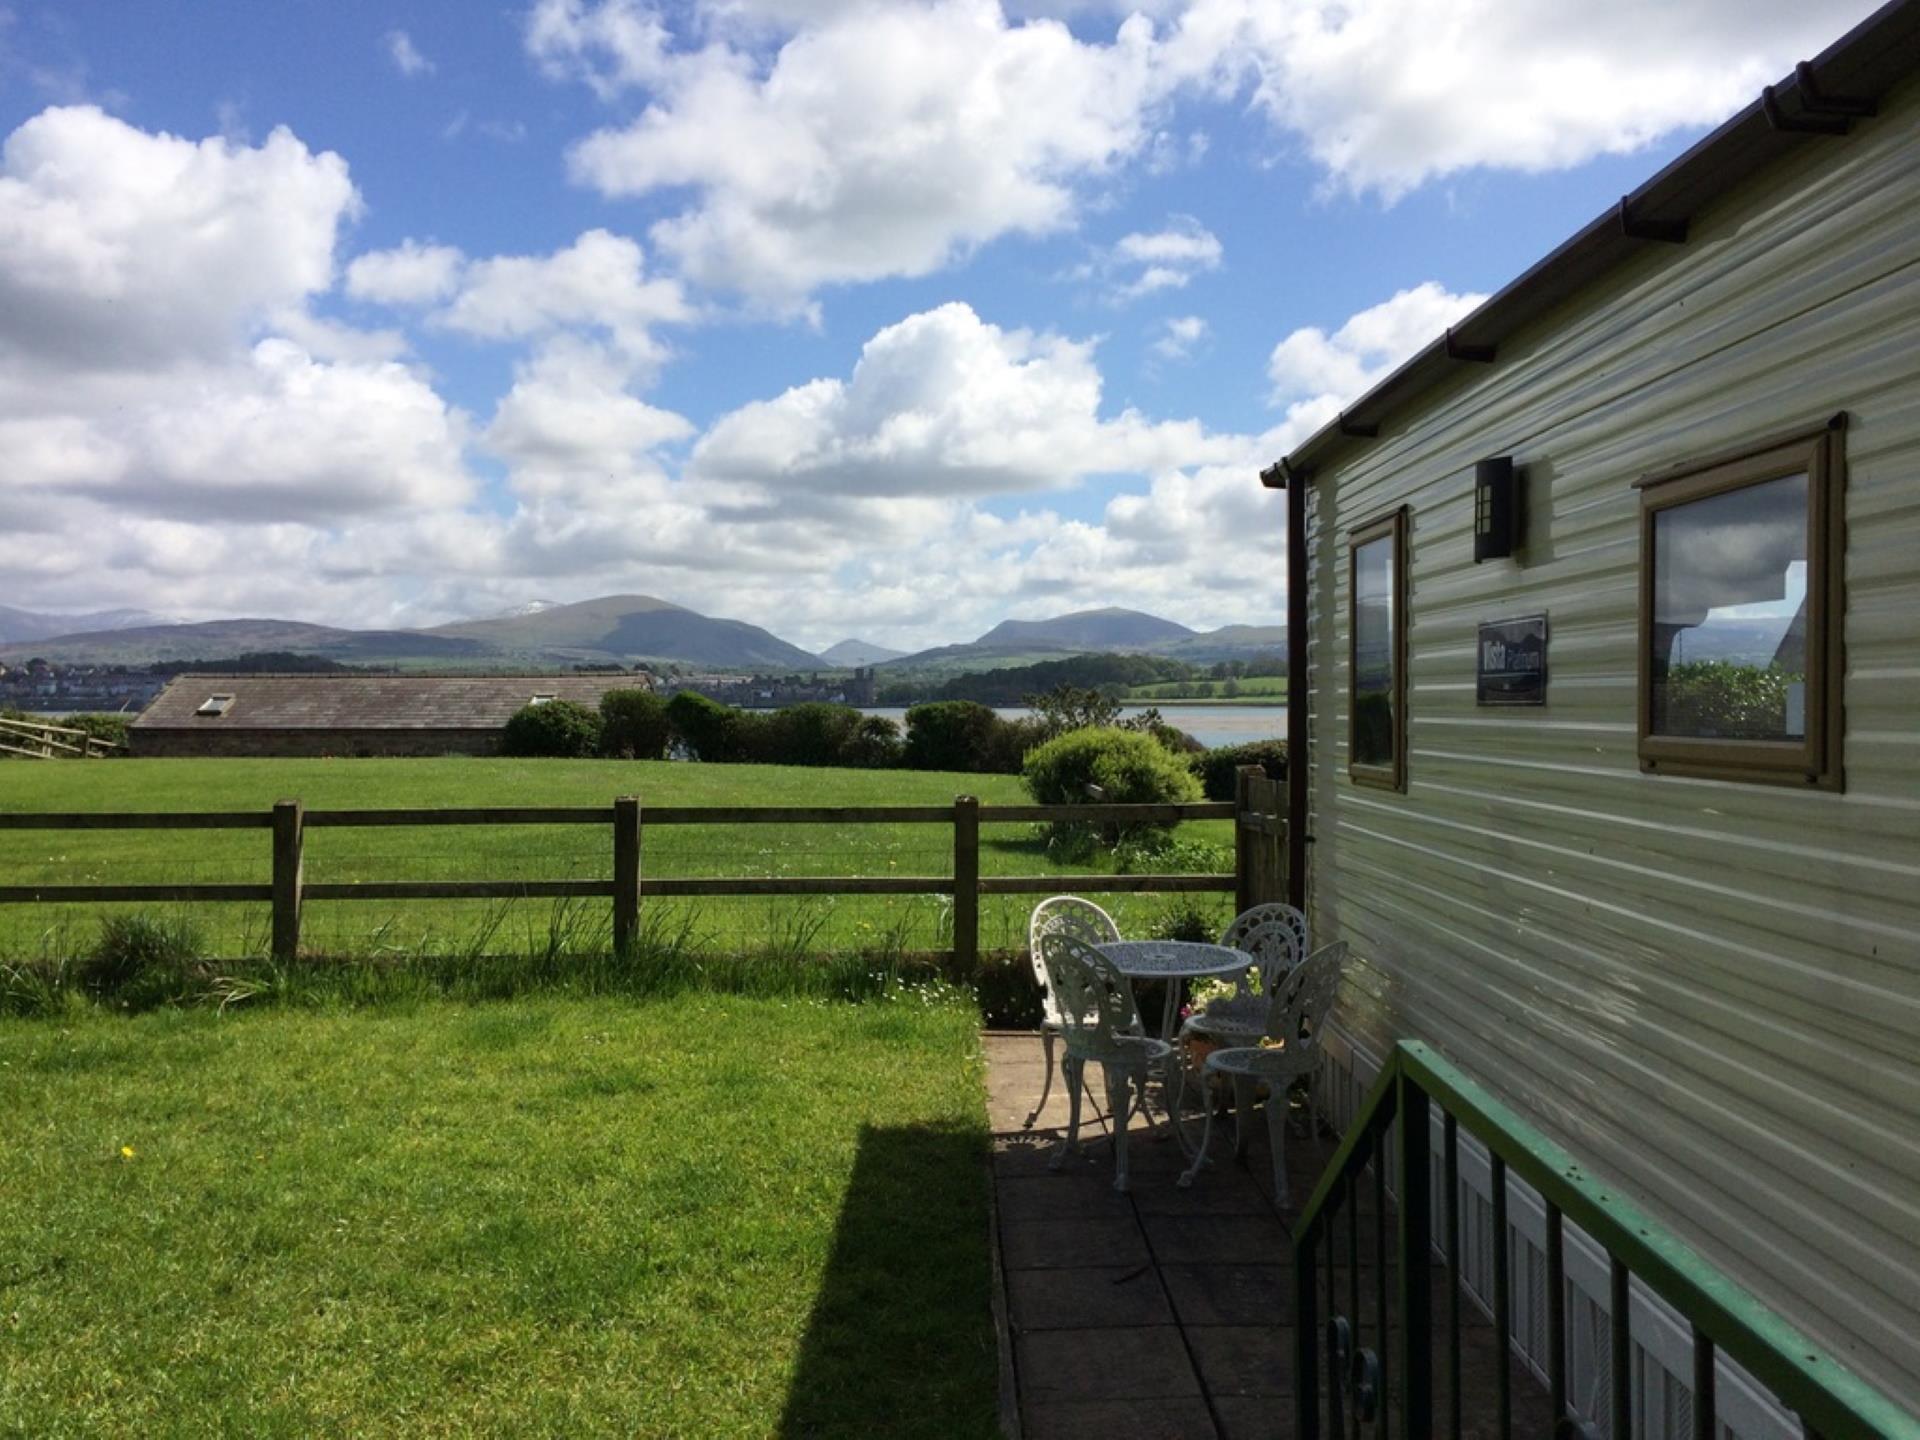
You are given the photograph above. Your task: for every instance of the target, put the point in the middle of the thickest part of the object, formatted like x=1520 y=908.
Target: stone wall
x=168 y=741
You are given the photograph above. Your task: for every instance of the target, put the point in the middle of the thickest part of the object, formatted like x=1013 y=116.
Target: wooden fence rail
x=1256 y=833
x=34 y=739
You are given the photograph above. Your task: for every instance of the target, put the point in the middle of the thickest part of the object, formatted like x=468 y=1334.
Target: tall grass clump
x=141 y=962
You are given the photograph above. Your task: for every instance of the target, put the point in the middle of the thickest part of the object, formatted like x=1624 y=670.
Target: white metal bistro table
x=1173 y=961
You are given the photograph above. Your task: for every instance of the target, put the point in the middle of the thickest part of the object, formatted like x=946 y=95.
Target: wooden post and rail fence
x=35 y=740
x=1258 y=873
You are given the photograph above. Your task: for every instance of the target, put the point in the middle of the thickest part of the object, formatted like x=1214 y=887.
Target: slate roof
x=367 y=702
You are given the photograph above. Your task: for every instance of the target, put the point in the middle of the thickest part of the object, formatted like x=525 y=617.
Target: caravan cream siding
x=1711 y=991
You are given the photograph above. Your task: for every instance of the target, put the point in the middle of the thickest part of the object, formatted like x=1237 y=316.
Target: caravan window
x=1739 y=645
x=1377 y=653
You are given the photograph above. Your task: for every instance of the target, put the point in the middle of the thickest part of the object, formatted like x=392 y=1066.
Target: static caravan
x=1606 y=625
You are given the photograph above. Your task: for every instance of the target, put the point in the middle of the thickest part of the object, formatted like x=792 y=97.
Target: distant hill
x=1229 y=642
x=617 y=629
x=22 y=625
x=858 y=652
x=143 y=644
x=633 y=627
x=1111 y=630
x=1027 y=642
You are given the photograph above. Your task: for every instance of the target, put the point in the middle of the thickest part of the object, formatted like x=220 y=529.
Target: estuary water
x=1211 y=725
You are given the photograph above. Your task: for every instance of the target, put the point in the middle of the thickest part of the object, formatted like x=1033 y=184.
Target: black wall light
x=1496 y=508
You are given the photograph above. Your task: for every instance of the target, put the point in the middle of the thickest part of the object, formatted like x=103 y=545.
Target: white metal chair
x=1064 y=915
x=1099 y=1022
x=1296 y=1019
x=1276 y=937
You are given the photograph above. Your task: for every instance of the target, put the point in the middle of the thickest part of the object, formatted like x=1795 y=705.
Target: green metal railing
x=1830 y=1401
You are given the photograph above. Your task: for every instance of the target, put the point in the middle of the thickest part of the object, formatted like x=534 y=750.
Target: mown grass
x=413 y=930
x=709 y=1216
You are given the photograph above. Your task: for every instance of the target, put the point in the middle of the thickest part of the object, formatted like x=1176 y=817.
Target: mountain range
x=20 y=625
x=614 y=629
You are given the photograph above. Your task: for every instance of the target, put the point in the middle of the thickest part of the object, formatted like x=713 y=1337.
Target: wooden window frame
x=1814 y=761
x=1391 y=527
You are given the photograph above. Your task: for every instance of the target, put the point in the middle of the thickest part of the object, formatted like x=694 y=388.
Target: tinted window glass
x=1374 y=652
x=1729 y=635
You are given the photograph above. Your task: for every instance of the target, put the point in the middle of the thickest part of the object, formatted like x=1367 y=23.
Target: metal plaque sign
x=1512 y=665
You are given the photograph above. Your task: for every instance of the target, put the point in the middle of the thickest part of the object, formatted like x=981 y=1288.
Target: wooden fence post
x=288 y=840
x=626 y=872
x=966 y=884
x=1246 y=841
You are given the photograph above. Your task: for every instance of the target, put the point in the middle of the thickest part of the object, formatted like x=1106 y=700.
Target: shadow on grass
x=901 y=1339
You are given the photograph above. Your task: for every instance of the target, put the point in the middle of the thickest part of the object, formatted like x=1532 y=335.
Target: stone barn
x=350 y=714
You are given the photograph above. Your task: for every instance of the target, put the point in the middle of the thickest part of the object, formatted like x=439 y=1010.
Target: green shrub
x=555 y=728
x=813 y=733
x=111 y=728
x=1723 y=699
x=876 y=744
x=1185 y=917
x=1159 y=853
x=1217 y=767
x=709 y=730
x=1010 y=742
x=139 y=963
x=951 y=735
x=633 y=725
x=1112 y=767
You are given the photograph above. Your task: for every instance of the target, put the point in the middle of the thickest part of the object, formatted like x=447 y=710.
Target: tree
x=553 y=728
x=633 y=724
x=713 y=732
x=1073 y=707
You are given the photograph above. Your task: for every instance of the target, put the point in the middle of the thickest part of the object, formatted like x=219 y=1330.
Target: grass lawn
x=786 y=925
x=714 y=1216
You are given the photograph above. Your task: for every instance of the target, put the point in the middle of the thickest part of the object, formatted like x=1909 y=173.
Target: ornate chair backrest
x=1276 y=937
x=1298 y=1006
x=1064 y=915
x=1095 y=1000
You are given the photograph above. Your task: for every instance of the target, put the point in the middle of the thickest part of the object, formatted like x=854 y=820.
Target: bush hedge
x=820 y=733
x=1218 y=767
x=633 y=725
x=708 y=730
x=559 y=729
x=1111 y=767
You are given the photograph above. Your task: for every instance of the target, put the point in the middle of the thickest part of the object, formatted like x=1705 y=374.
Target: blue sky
x=843 y=318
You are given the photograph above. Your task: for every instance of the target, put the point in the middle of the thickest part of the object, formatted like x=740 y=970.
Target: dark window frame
x=1813 y=761
x=1392 y=526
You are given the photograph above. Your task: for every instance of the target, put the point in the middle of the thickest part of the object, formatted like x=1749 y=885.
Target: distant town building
x=769 y=692
x=348 y=715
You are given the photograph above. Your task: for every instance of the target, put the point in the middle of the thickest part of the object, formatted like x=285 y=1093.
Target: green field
x=403 y=929
x=710 y=1216
x=1250 y=690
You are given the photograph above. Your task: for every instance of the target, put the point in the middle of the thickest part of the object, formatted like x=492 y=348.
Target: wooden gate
x=1259 y=839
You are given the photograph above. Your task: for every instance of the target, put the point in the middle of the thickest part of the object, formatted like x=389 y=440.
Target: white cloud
x=882 y=141
x=1185 y=243
x=406 y=56
x=1311 y=365
x=570 y=413
x=1178 y=335
x=1386 y=95
x=944 y=404
x=599 y=282
x=1146 y=261
x=120 y=248
x=409 y=274
x=168 y=394
x=824 y=143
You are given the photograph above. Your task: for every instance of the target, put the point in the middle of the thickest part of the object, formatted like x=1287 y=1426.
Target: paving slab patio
x=1166 y=1313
